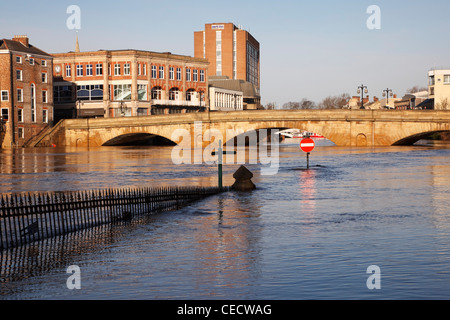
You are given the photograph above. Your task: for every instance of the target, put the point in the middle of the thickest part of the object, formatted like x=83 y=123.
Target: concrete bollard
x=243 y=181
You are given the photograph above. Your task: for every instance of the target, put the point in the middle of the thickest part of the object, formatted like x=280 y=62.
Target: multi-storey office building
x=26 y=91
x=128 y=83
x=231 y=51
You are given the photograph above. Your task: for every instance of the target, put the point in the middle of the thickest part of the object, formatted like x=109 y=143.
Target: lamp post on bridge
x=362 y=89
x=386 y=94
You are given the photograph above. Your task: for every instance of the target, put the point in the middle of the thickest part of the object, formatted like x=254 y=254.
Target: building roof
x=247 y=88
x=13 y=45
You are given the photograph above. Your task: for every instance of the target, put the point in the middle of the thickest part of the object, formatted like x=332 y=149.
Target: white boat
x=299 y=134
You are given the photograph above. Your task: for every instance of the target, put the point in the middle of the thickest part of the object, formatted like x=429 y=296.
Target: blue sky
x=309 y=49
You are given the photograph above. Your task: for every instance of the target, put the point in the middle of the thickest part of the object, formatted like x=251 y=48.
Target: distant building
x=221 y=99
x=251 y=99
x=439 y=88
x=234 y=57
x=116 y=83
x=26 y=91
x=410 y=101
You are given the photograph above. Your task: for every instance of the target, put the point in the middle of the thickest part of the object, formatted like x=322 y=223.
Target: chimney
x=395 y=96
x=375 y=99
x=23 y=40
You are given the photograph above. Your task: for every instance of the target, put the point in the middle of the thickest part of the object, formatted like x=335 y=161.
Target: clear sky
x=309 y=49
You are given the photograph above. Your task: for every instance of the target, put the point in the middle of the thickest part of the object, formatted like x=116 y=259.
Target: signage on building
x=218 y=27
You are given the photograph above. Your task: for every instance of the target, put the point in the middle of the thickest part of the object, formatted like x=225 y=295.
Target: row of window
x=19 y=76
x=125 y=69
x=431 y=80
x=5 y=95
x=120 y=92
x=31 y=61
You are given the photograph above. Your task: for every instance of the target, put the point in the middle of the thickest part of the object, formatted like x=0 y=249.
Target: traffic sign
x=307 y=145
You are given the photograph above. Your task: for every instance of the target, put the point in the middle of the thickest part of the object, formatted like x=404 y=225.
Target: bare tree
x=335 y=102
x=271 y=106
x=307 y=104
x=416 y=89
x=291 y=105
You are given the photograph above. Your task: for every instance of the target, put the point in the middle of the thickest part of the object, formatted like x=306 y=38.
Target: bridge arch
x=410 y=140
x=139 y=139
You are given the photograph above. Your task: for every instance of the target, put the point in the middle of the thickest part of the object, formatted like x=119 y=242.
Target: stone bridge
x=361 y=128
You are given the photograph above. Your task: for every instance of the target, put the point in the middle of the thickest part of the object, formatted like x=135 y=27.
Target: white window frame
x=188 y=74
x=68 y=71
x=2 y=95
x=99 y=69
x=195 y=75
x=154 y=72
x=18 y=71
x=19 y=95
x=44 y=63
x=80 y=70
x=126 y=69
x=202 y=75
x=179 y=74
x=89 y=70
x=20 y=115
x=117 y=69
x=448 y=78
x=161 y=72
x=19 y=59
x=171 y=73
x=21 y=132
x=44 y=115
x=44 y=96
x=44 y=77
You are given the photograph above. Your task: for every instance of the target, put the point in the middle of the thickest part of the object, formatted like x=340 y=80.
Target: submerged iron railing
x=26 y=218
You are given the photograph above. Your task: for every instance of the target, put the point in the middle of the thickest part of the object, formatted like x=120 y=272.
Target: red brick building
x=116 y=83
x=26 y=89
x=230 y=50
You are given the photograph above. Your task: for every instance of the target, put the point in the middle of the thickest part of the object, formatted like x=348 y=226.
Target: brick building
x=233 y=54
x=26 y=89
x=128 y=83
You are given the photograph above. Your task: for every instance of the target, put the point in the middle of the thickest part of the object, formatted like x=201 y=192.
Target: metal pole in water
x=307 y=160
x=220 y=163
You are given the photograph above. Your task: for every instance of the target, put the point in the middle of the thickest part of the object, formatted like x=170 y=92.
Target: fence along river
x=26 y=218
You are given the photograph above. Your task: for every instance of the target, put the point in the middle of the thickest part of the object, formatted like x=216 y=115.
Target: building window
x=139 y=69
x=19 y=95
x=122 y=92
x=19 y=59
x=431 y=81
x=79 y=70
x=195 y=75
x=33 y=103
x=90 y=92
x=44 y=63
x=62 y=93
x=161 y=72
x=21 y=132
x=5 y=114
x=156 y=93
x=202 y=75
x=218 y=53
x=31 y=62
x=99 y=69
x=174 y=94
x=179 y=74
x=45 y=115
x=188 y=74
x=44 y=96
x=5 y=95
x=68 y=71
x=154 y=72
x=189 y=94
x=89 y=70
x=126 y=69
x=44 y=77
x=447 y=79
x=142 y=92
x=19 y=75
x=117 y=69
x=144 y=67
x=20 y=115
x=171 y=73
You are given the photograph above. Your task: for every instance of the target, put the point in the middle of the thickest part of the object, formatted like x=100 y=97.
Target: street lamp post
x=386 y=94
x=362 y=89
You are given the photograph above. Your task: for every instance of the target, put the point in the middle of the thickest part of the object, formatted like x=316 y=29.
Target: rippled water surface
x=303 y=234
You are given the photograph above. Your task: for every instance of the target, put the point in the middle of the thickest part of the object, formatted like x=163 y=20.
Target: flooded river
x=302 y=234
